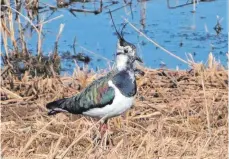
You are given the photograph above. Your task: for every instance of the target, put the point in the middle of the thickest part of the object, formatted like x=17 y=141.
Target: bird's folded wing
x=96 y=95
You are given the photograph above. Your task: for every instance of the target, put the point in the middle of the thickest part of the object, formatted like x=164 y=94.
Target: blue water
x=168 y=27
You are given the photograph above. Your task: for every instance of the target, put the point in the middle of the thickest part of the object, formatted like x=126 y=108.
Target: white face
x=121 y=61
x=124 y=54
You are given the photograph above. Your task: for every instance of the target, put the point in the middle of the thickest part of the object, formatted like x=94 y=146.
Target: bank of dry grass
x=177 y=114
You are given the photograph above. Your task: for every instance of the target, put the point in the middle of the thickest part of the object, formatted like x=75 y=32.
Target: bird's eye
x=125 y=51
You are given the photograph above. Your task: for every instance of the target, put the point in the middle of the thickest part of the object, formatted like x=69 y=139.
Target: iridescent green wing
x=98 y=94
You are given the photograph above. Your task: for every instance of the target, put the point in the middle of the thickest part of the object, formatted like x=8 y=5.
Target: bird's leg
x=105 y=139
x=103 y=128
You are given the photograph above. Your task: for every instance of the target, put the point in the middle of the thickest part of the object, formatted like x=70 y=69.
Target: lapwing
x=108 y=96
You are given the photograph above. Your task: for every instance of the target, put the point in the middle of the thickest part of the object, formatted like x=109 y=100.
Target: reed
x=19 y=59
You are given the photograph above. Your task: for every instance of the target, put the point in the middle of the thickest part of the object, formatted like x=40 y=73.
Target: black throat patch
x=125 y=83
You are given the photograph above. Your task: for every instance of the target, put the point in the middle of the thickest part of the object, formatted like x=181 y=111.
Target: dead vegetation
x=177 y=114
x=17 y=58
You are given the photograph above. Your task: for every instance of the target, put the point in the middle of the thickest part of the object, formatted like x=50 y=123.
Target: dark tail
x=56 y=106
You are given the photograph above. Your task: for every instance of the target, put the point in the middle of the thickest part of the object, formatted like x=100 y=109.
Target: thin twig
x=73 y=46
x=91 y=52
x=143 y=140
x=10 y=93
x=21 y=34
x=57 y=39
x=49 y=5
x=206 y=107
x=42 y=23
x=182 y=5
x=156 y=44
x=4 y=37
x=119 y=7
x=39 y=41
x=11 y=27
x=26 y=18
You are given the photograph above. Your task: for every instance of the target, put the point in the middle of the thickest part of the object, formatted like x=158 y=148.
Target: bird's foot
x=105 y=139
x=104 y=143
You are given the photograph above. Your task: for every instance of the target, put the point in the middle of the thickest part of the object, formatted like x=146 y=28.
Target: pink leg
x=102 y=129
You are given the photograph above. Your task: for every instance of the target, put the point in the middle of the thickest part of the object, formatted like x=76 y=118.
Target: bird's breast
x=126 y=83
x=119 y=105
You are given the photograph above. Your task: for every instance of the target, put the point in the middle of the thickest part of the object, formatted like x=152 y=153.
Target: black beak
x=138 y=59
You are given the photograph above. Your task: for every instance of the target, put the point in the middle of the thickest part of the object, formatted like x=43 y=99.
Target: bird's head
x=126 y=54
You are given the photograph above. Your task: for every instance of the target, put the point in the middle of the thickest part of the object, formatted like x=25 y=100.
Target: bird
x=110 y=95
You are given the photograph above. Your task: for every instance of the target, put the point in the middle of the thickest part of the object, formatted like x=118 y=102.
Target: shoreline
x=176 y=111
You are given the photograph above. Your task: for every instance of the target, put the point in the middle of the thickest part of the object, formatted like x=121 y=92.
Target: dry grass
x=177 y=114
x=16 y=55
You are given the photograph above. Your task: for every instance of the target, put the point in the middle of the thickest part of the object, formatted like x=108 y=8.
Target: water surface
x=178 y=30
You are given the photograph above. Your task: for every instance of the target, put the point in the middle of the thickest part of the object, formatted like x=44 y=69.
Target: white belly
x=120 y=105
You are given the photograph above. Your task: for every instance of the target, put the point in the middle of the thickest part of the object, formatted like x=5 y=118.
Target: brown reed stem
x=11 y=27
x=21 y=34
x=206 y=106
x=39 y=43
x=4 y=36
